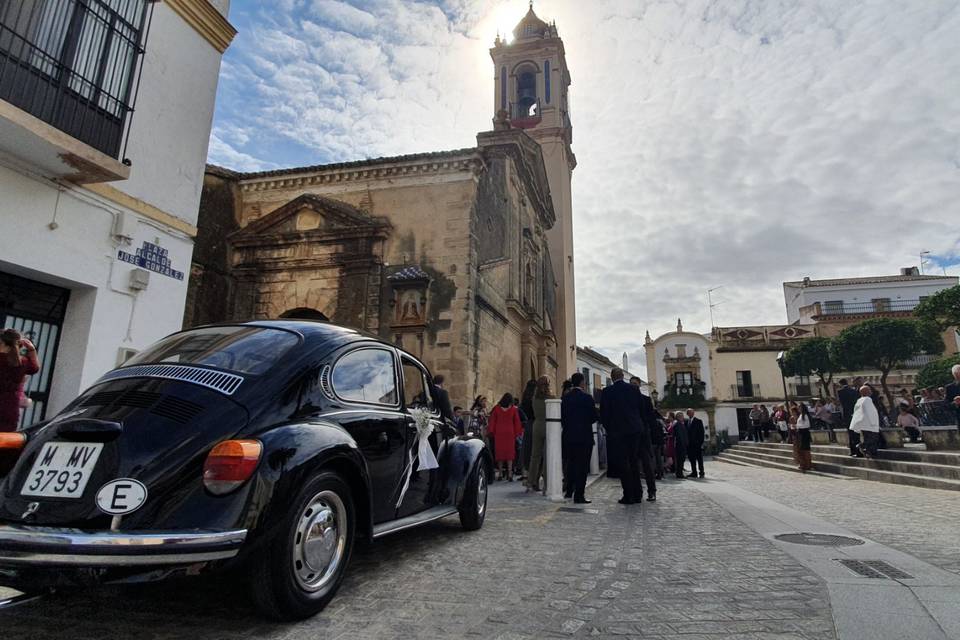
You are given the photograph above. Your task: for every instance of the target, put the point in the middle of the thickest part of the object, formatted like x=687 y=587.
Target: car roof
x=317 y=331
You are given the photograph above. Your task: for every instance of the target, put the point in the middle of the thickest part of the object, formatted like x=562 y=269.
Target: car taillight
x=230 y=464
x=12 y=441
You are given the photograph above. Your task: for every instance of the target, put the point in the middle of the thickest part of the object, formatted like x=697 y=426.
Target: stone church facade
x=447 y=254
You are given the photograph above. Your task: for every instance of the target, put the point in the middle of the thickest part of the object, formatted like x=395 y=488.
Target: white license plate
x=62 y=469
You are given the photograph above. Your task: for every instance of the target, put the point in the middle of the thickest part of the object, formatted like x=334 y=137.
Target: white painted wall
x=726 y=418
x=796 y=297
x=170 y=128
x=103 y=314
x=670 y=341
x=168 y=147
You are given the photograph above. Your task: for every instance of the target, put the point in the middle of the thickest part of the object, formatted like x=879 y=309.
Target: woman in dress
x=504 y=427
x=14 y=368
x=538 y=446
x=478 y=418
x=804 y=440
x=669 y=448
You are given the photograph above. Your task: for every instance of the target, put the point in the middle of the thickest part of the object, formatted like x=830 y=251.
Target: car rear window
x=243 y=349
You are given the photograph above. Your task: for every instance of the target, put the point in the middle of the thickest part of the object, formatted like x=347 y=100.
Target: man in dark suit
x=625 y=413
x=848 y=397
x=697 y=435
x=577 y=415
x=656 y=436
x=442 y=399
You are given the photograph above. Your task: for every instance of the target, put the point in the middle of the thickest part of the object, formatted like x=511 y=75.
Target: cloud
x=738 y=143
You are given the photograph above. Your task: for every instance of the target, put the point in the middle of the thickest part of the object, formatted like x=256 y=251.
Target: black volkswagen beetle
x=265 y=447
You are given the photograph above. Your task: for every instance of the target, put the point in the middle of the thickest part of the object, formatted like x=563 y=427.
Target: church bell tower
x=532 y=82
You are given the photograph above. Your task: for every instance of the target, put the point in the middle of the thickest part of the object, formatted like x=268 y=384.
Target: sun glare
x=503 y=18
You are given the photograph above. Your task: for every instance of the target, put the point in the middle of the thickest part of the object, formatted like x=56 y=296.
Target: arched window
x=526 y=93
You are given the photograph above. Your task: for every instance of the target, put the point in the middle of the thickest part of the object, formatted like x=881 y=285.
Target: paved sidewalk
x=922 y=522
x=682 y=568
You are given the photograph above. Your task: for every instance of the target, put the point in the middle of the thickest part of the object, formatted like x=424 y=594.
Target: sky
x=720 y=143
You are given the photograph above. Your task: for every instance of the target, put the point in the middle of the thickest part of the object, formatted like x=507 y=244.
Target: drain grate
x=819 y=539
x=875 y=569
x=576 y=510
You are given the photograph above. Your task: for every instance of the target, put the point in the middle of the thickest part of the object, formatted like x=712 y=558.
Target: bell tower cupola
x=532 y=76
x=531 y=93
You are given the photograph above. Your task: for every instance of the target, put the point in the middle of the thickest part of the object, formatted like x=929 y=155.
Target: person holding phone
x=18 y=359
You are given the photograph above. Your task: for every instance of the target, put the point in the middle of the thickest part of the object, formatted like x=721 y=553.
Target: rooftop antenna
x=923 y=260
x=711 y=304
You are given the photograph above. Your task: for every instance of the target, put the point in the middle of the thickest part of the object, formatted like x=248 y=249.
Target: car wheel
x=473 y=507
x=300 y=569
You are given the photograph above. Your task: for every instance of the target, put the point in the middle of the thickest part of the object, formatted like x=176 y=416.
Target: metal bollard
x=595 y=455
x=553 y=462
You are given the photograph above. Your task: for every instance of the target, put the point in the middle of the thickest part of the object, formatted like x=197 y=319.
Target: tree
x=811 y=357
x=882 y=344
x=937 y=373
x=942 y=309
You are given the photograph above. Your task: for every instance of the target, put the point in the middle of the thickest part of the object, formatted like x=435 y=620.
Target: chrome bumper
x=23 y=545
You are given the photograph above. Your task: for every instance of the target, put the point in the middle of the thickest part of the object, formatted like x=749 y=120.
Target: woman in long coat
x=539 y=444
x=504 y=426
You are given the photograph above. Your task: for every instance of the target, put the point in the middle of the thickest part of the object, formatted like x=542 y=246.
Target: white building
x=105 y=115
x=807 y=300
x=596 y=368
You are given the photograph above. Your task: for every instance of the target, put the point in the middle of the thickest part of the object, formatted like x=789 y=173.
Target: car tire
x=300 y=569
x=473 y=507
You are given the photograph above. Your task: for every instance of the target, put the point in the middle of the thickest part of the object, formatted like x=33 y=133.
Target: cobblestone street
x=683 y=567
x=677 y=568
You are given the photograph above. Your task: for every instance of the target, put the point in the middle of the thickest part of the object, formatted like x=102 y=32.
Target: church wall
x=555 y=156
x=211 y=283
x=500 y=367
x=431 y=228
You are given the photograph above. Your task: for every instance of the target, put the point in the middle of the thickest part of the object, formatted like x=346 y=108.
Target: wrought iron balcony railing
x=73 y=64
x=745 y=391
x=884 y=305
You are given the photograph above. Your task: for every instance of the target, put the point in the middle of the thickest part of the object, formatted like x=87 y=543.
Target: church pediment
x=312 y=213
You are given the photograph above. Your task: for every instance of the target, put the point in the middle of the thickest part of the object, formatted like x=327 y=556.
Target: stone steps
x=906 y=454
x=933 y=470
x=932 y=464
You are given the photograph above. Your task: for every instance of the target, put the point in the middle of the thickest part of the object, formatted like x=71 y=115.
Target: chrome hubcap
x=319 y=541
x=481 y=491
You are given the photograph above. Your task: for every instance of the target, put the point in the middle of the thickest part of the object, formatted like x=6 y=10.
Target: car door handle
x=383 y=438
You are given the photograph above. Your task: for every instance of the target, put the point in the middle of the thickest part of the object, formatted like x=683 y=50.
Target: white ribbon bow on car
x=425 y=457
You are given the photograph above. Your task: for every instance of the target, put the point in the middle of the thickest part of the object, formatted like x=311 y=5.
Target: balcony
x=880 y=306
x=68 y=69
x=918 y=361
x=745 y=391
x=525 y=115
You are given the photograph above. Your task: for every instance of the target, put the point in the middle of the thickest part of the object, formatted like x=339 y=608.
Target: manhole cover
x=818 y=539
x=576 y=510
x=875 y=569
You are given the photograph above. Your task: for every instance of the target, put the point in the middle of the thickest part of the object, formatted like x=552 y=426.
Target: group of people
x=18 y=359
x=640 y=442
x=683 y=437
